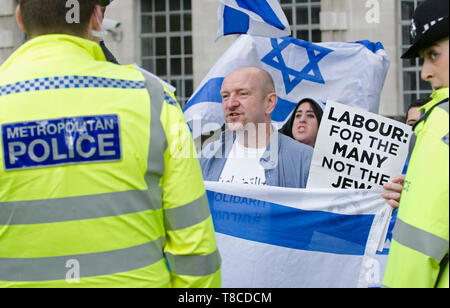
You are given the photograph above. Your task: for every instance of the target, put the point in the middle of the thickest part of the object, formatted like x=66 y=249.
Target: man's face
x=243 y=99
x=435 y=67
x=413 y=116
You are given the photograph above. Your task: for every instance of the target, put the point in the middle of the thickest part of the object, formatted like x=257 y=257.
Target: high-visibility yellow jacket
x=100 y=185
x=419 y=250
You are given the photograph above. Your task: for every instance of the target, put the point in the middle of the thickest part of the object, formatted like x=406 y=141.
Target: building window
x=303 y=16
x=166 y=43
x=413 y=86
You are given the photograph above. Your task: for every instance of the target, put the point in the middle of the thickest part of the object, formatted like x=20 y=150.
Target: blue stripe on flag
x=234 y=21
x=264 y=10
x=278 y=225
x=209 y=93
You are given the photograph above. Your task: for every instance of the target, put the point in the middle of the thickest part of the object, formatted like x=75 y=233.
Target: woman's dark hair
x=318 y=111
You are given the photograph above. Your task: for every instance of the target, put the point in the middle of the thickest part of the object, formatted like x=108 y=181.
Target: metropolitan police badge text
x=47 y=143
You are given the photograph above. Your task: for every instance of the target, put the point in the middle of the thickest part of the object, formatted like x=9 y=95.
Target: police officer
x=100 y=185
x=419 y=249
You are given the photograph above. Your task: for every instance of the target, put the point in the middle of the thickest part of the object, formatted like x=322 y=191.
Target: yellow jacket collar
x=441 y=94
x=55 y=45
x=437 y=97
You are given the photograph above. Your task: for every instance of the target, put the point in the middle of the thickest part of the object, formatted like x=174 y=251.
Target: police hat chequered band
x=426 y=27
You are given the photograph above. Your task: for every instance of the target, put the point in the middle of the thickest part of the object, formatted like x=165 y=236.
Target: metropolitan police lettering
x=64 y=141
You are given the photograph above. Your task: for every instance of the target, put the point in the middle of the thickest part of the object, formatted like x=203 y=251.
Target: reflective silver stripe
x=184 y=216
x=422 y=241
x=158 y=141
x=75 y=208
x=412 y=144
x=194 y=265
x=187 y=215
x=89 y=265
x=444 y=106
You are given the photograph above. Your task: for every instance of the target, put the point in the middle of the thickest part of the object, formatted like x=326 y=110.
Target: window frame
x=309 y=26
x=183 y=79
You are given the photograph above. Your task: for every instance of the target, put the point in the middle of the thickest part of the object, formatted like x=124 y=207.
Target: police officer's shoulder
x=169 y=98
x=118 y=71
x=169 y=90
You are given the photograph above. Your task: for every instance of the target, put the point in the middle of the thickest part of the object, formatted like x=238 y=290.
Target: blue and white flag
x=258 y=18
x=347 y=73
x=271 y=237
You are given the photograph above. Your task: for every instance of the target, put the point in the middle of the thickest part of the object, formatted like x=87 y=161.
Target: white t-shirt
x=243 y=166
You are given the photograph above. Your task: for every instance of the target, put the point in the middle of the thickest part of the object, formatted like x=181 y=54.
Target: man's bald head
x=248 y=96
x=267 y=84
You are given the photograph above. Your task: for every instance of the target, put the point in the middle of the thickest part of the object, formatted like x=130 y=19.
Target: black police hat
x=430 y=24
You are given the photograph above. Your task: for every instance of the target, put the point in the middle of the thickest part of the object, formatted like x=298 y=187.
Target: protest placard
x=356 y=149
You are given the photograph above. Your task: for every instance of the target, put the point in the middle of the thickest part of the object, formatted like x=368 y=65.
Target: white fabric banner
x=271 y=237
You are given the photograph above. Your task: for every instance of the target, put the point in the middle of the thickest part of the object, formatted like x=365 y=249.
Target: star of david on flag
x=258 y=18
x=310 y=72
x=348 y=73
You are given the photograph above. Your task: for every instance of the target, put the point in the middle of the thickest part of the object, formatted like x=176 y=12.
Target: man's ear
x=271 y=102
x=96 y=19
x=19 y=18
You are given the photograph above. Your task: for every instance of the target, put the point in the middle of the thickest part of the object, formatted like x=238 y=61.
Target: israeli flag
x=347 y=73
x=253 y=17
x=271 y=237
